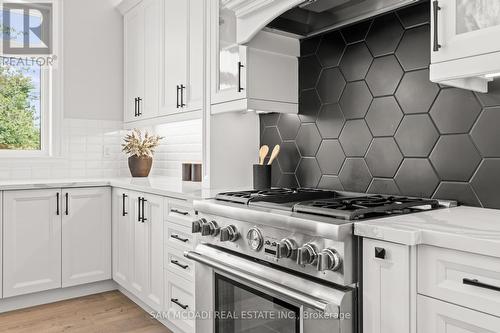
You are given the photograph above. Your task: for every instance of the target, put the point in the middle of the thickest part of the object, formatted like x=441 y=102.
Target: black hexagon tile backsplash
x=371 y=121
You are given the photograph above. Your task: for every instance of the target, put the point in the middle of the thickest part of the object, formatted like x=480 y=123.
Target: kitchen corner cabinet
x=138 y=245
x=45 y=247
x=464 y=43
x=387 y=285
x=141 y=60
x=182 y=54
x=262 y=75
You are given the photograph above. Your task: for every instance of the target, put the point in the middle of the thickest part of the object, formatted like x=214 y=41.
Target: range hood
x=304 y=18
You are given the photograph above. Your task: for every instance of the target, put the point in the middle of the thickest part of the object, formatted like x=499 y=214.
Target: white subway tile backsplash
x=92 y=148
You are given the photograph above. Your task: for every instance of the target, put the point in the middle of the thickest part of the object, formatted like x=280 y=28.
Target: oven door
x=237 y=295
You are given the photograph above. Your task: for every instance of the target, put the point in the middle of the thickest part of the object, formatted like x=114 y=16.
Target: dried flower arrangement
x=137 y=145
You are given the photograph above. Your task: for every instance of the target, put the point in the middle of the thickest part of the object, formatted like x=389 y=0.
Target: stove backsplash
x=371 y=121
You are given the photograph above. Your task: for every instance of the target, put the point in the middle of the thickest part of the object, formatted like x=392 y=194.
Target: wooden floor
x=107 y=313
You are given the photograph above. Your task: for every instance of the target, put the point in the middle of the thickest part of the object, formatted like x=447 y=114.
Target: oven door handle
x=312 y=302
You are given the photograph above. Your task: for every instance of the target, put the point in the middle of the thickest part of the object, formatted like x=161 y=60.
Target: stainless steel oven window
x=242 y=309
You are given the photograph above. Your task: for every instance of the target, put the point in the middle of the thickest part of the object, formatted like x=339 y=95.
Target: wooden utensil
x=264 y=150
x=274 y=154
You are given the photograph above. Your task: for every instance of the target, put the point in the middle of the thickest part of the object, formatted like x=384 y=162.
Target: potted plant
x=141 y=150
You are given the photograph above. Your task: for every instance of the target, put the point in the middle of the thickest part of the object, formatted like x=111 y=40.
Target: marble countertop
x=461 y=228
x=164 y=186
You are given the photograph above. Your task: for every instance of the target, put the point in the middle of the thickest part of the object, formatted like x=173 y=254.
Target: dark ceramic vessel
x=140 y=166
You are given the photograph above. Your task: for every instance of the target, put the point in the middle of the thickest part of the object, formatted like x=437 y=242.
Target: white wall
x=93 y=60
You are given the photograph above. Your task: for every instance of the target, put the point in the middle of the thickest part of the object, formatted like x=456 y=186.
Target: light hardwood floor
x=109 y=312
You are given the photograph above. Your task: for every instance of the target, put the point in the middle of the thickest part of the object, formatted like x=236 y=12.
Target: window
x=29 y=117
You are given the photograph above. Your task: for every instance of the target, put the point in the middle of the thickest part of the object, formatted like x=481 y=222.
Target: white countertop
x=462 y=228
x=164 y=186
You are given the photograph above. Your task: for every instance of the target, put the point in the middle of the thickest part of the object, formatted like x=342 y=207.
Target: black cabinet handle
x=67 y=204
x=143 y=219
x=175 y=262
x=184 y=240
x=139 y=100
x=477 y=283
x=178 y=104
x=380 y=253
x=240 y=66
x=176 y=301
x=124 y=197
x=436 y=8
x=139 y=199
x=182 y=87
x=57 y=205
x=179 y=212
x=135 y=107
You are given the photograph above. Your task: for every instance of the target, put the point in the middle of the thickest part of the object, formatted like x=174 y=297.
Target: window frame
x=51 y=99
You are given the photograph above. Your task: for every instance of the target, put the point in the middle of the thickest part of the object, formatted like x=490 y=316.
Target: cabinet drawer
x=180 y=212
x=434 y=316
x=176 y=262
x=179 y=302
x=459 y=277
x=179 y=237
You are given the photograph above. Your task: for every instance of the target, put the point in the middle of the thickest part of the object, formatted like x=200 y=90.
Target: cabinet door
x=465 y=28
x=193 y=93
x=153 y=214
x=86 y=235
x=31 y=241
x=386 y=287
x=134 y=61
x=228 y=60
x=147 y=253
x=122 y=236
x=152 y=32
x=175 y=54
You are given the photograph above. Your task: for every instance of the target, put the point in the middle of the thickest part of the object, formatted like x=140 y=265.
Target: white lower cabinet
x=55 y=238
x=138 y=245
x=386 y=287
x=179 y=301
x=86 y=236
x=435 y=316
x=31 y=241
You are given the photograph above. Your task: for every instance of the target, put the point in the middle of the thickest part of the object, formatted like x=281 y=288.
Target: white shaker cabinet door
x=86 y=235
x=386 y=287
x=122 y=236
x=31 y=241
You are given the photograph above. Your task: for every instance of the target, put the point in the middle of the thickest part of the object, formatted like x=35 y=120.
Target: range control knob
x=329 y=260
x=307 y=254
x=287 y=248
x=255 y=239
x=210 y=229
x=229 y=233
x=197 y=225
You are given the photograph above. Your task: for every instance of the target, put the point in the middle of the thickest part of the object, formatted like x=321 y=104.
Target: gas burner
x=275 y=195
x=355 y=208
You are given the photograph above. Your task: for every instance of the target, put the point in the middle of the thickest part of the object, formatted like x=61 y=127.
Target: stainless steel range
x=284 y=260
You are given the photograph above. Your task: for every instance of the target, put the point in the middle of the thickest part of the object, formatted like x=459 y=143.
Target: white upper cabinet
x=465 y=48
x=86 y=236
x=31 y=241
x=261 y=75
x=142 y=41
x=183 y=56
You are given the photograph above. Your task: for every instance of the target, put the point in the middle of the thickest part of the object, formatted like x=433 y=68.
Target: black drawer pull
x=175 y=262
x=57 y=206
x=240 y=66
x=67 y=204
x=477 y=283
x=184 y=240
x=179 y=212
x=176 y=301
